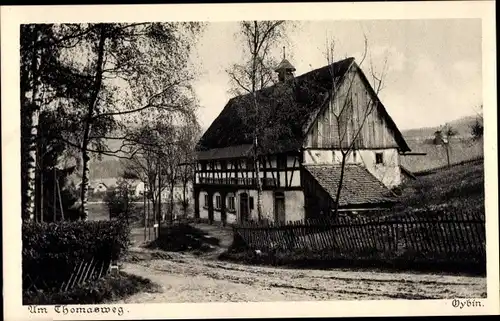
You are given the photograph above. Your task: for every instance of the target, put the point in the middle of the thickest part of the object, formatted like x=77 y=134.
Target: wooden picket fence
x=86 y=270
x=83 y=271
x=443 y=234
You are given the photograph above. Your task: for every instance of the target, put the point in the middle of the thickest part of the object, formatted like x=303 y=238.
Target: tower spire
x=285 y=69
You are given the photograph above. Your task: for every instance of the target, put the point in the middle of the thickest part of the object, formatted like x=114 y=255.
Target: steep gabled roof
x=359 y=186
x=287 y=110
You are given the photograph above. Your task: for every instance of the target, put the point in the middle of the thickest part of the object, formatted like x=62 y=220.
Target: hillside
x=461 y=125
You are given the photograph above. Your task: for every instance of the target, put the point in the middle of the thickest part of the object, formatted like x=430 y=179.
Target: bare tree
x=350 y=114
x=189 y=136
x=254 y=74
x=160 y=148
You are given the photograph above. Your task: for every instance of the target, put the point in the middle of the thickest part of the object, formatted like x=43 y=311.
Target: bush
x=51 y=250
x=106 y=289
x=119 y=202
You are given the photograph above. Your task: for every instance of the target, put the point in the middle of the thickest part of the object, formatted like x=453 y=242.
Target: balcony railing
x=266 y=182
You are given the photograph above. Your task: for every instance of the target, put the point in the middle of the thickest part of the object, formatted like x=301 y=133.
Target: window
x=223 y=165
x=206 y=200
x=203 y=166
x=250 y=164
x=231 y=203
x=281 y=162
x=217 y=202
x=379 y=158
x=251 y=203
x=354 y=156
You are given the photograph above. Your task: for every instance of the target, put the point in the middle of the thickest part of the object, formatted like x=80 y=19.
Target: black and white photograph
x=259 y=158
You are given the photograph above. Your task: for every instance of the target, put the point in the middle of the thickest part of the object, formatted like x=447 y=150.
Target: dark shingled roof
x=359 y=185
x=225 y=152
x=288 y=110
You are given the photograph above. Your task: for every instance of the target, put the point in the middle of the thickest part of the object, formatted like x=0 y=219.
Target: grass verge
x=107 y=289
x=411 y=262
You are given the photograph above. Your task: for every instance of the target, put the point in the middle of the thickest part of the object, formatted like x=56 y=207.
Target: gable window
x=218 y=202
x=206 y=201
x=379 y=158
x=231 y=203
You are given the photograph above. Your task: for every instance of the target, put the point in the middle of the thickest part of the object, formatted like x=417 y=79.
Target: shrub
x=51 y=250
x=120 y=202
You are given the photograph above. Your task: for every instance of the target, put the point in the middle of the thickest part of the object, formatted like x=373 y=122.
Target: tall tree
x=256 y=72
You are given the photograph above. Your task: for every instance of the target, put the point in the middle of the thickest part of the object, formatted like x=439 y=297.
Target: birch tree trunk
x=88 y=124
x=34 y=108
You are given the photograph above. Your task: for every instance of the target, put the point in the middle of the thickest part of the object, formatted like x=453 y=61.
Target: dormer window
x=379 y=158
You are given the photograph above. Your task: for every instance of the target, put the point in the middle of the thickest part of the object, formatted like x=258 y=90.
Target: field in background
x=460 y=150
x=98 y=211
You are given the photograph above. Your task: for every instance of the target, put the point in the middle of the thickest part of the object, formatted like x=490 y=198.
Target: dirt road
x=187 y=278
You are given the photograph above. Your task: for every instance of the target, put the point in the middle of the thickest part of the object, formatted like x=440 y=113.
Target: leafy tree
x=442 y=137
x=40 y=48
x=477 y=128
x=104 y=74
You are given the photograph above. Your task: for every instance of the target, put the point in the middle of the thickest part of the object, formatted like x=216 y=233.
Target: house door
x=243 y=207
x=279 y=208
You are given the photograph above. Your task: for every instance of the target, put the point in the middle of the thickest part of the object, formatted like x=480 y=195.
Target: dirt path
x=186 y=278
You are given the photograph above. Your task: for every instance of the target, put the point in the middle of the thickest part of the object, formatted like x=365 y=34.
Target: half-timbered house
x=298 y=152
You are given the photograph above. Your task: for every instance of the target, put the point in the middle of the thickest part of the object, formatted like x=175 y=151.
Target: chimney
x=285 y=69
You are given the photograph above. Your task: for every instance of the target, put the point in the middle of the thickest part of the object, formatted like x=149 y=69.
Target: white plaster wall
x=294 y=205
x=389 y=172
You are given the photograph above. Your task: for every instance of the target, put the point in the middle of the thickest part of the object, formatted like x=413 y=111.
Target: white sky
x=434 y=73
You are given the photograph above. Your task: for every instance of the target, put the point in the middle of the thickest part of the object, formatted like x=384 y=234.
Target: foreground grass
x=108 y=289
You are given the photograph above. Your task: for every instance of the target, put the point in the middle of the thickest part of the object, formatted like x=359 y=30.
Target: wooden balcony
x=249 y=182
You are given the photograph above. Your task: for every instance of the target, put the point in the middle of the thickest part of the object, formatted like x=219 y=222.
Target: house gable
x=337 y=124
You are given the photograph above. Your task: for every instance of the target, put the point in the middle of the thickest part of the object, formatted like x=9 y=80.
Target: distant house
x=100 y=186
x=300 y=173
x=138 y=188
